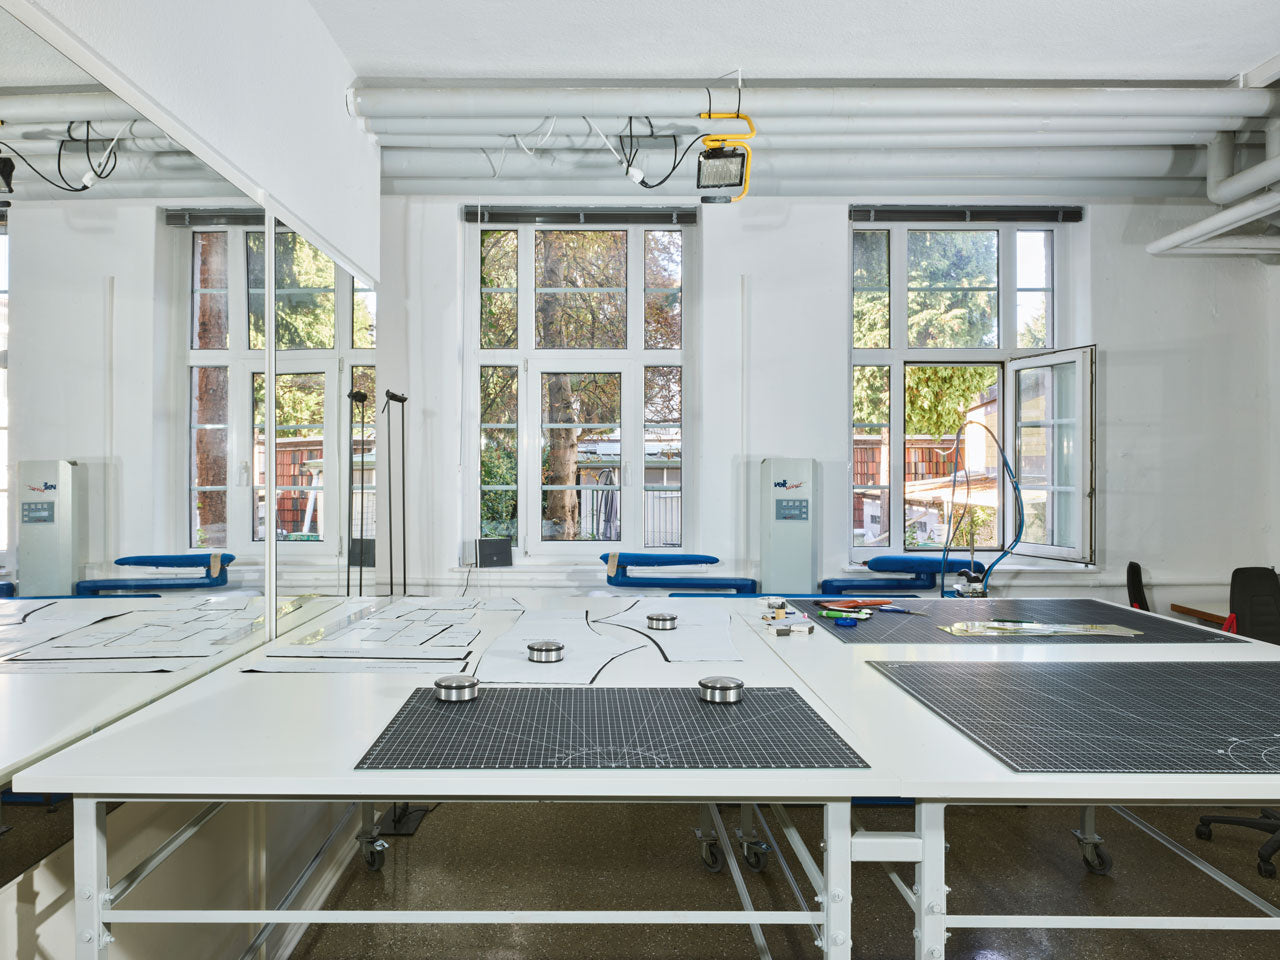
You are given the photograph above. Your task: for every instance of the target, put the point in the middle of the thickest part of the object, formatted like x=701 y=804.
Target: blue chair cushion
x=891 y=563
x=91 y=588
x=622 y=579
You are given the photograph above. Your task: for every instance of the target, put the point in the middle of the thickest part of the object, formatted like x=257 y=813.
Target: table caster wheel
x=374 y=854
x=1204 y=831
x=712 y=858
x=1097 y=861
x=1266 y=869
x=755 y=859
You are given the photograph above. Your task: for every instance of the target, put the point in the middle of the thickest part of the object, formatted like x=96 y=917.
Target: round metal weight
x=661 y=621
x=546 y=651
x=720 y=689
x=457 y=687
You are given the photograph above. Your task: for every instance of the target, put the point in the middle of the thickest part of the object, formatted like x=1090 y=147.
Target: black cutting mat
x=904 y=628
x=1108 y=717
x=536 y=728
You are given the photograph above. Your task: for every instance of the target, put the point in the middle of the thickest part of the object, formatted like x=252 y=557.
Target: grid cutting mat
x=1144 y=717
x=943 y=612
x=538 y=728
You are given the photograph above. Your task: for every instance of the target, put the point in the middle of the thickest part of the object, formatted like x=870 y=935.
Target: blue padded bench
x=924 y=574
x=214 y=565
x=617 y=564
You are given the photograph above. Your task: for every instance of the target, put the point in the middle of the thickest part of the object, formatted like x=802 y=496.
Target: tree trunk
x=561 y=466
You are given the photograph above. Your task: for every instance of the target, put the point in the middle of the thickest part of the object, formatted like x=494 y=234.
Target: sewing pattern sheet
x=586 y=652
x=701 y=633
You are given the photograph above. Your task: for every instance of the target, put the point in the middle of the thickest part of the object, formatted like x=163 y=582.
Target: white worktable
x=41 y=713
x=933 y=760
x=301 y=735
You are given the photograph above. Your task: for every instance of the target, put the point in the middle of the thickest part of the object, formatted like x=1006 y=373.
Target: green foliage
x=304 y=294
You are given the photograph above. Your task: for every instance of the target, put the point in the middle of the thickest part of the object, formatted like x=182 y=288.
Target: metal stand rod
x=786 y=870
x=89 y=841
x=757 y=935
x=180 y=836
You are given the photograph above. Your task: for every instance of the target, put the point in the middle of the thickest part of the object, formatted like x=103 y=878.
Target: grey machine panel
x=940 y=612
x=536 y=728
x=1177 y=717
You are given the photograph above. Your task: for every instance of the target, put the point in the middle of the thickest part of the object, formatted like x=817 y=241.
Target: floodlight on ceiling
x=6 y=175
x=726 y=160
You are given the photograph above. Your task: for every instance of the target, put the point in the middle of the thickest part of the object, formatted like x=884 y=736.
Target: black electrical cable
x=65 y=186
x=675 y=165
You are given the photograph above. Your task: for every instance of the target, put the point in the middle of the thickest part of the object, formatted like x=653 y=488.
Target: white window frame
x=898 y=356
x=242 y=363
x=531 y=363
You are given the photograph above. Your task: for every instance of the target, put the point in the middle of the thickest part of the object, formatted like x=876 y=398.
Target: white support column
x=269 y=409
x=931 y=888
x=838 y=869
x=90 y=849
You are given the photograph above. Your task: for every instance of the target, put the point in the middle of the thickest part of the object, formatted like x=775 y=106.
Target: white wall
x=89 y=283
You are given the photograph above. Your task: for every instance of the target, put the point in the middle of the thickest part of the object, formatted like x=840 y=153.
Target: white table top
x=234 y=734
x=300 y=735
x=41 y=713
x=936 y=761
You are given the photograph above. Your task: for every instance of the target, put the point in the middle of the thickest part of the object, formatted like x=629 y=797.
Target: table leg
x=931 y=887
x=90 y=850
x=838 y=871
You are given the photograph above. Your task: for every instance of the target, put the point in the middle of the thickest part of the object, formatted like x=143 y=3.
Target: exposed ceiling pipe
x=44 y=148
x=53 y=107
x=820 y=141
x=1223 y=187
x=104 y=129
x=1231 y=246
x=1075 y=163
x=538 y=124
x=1221 y=222
x=33 y=190
x=129 y=166
x=900 y=190
x=445 y=101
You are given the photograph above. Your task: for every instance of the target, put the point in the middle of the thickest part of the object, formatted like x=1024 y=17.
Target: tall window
x=4 y=389
x=951 y=328
x=578 y=339
x=325 y=331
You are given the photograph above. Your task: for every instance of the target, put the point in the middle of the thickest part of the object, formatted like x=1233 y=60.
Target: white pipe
x=129 y=166
x=1222 y=187
x=101 y=130
x=1232 y=246
x=1272 y=134
x=536 y=125
x=853 y=187
x=821 y=141
x=51 y=107
x=459 y=101
x=1129 y=162
x=48 y=148
x=1219 y=223
x=35 y=189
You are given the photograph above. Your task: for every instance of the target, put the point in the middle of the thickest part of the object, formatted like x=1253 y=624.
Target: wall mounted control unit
x=52 y=543
x=790 y=532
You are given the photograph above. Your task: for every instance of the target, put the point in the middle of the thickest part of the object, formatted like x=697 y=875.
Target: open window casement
x=1050 y=424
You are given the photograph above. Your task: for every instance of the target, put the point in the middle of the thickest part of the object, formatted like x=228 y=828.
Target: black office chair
x=1137 y=593
x=1255 y=603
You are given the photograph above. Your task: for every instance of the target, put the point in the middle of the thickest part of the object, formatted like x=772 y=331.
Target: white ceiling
x=927 y=39
x=28 y=61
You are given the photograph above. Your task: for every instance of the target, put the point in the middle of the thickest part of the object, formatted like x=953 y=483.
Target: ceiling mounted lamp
x=6 y=175
x=726 y=160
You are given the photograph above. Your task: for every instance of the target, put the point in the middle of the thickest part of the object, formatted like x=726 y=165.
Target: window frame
x=899 y=355
x=242 y=364
x=531 y=362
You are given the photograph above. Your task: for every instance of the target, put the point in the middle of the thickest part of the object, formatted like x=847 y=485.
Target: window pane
x=209 y=299
x=662 y=279
x=499 y=452
x=939 y=401
x=663 y=463
x=581 y=456
x=1046 y=456
x=1035 y=286
x=580 y=296
x=208 y=468
x=304 y=293
x=498 y=286
x=871 y=288
x=870 y=420
x=364 y=317
x=299 y=456
x=952 y=280
x=364 y=475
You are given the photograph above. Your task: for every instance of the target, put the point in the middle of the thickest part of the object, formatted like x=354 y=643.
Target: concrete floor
x=601 y=856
